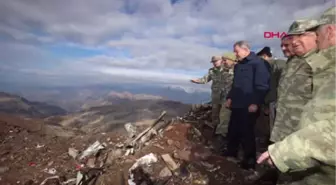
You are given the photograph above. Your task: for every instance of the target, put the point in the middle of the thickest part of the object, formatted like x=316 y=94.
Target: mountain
x=13 y=104
x=109 y=117
x=72 y=98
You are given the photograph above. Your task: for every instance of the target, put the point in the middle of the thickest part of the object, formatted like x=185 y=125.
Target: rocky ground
x=178 y=151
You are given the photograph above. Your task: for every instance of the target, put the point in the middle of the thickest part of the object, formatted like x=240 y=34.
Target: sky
x=83 y=42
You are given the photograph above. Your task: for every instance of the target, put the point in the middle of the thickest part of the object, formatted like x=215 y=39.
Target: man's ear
x=331 y=29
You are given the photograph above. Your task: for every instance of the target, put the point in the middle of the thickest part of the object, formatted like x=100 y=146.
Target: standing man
x=311 y=149
x=229 y=61
x=296 y=85
x=215 y=74
x=277 y=66
x=250 y=85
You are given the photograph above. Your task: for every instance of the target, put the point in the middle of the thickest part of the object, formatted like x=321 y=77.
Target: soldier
x=215 y=74
x=277 y=66
x=296 y=86
x=229 y=60
x=311 y=149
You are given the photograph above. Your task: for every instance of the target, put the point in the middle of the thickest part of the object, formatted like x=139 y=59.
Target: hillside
x=74 y=98
x=109 y=117
x=13 y=104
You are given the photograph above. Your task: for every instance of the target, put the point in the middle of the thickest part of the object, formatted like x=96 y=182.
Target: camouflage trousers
x=272 y=111
x=216 y=107
x=220 y=119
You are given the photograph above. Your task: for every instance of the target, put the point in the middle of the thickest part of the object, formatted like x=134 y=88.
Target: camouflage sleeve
x=205 y=79
x=314 y=143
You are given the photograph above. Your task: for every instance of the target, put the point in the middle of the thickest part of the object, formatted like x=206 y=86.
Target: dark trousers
x=241 y=132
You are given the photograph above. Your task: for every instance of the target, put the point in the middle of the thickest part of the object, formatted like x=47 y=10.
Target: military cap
x=215 y=58
x=299 y=27
x=266 y=50
x=327 y=17
x=230 y=56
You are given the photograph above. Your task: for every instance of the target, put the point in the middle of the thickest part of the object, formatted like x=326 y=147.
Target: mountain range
x=75 y=98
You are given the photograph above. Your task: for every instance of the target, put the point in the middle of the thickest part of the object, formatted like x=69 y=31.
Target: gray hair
x=242 y=44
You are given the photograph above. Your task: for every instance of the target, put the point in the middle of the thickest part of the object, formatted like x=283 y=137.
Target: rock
x=29 y=182
x=183 y=155
x=53 y=182
x=170 y=142
x=73 y=152
x=113 y=155
x=165 y=172
x=91 y=162
x=50 y=163
x=4 y=169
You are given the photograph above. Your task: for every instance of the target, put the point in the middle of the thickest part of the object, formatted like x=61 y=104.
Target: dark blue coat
x=250 y=83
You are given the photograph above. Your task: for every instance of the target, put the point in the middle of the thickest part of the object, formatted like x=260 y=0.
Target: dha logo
x=271 y=35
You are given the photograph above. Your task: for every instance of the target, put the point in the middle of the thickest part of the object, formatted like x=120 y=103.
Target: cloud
x=158 y=41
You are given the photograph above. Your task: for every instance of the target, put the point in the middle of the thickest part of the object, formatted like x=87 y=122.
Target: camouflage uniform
x=313 y=145
x=217 y=76
x=225 y=113
x=294 y=91
x=221 y=84
x=277 y=67
x=311 y=149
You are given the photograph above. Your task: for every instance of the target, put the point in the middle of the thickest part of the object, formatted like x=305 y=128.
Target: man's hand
x=228 y=103
x=266 y=111
x=265 y=157
x=253 y=108
x=194 y=81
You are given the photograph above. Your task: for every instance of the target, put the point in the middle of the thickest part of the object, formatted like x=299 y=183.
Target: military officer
x=311 y=149
x=216 y=75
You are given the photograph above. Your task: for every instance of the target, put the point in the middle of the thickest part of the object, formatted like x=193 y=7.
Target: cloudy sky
x=146 y=41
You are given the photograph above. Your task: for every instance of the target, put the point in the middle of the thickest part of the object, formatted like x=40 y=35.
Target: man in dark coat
x=249 y=88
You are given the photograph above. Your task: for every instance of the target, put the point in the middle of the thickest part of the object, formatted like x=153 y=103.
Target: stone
x=4 y=169
x=113 y=155
x=165 y=172
x=170 y=142
x=183 y=155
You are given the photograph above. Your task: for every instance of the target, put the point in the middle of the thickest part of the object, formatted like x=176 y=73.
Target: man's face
x=241 y=53
x=287 y=47
x=228 y=63
x=304 y=43
x=217 y=63
x=324 y=34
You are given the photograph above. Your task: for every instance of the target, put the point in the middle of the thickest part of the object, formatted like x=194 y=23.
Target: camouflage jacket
x=221 y=82
x=294 y=91
x=311 y=149
x=277 y=67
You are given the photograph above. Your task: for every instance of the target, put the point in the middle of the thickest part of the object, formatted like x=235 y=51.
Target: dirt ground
x=29 y=155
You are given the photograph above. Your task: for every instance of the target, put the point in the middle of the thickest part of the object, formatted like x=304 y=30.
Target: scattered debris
x=92 y=149
x=51 y=171
x=4 y=169
x=169 y=162
x=73 y=152
x=131 y=129
x=184 y=159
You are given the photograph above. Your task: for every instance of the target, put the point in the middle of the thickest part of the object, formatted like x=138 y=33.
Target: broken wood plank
x=149 y=128
x=169 y=162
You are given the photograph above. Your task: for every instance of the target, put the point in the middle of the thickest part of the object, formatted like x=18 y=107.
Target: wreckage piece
x=170 y=162
x=131 y=129
x=148 y=129
x=92 y=150
x=137 y=173
x=86 y=176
